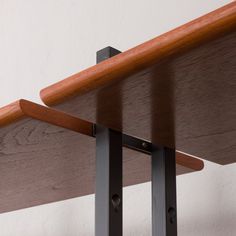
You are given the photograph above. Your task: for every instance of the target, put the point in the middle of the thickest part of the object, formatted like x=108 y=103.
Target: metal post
x=164 y=214
x=108 y=198
x=108 y=193
x=106 y=53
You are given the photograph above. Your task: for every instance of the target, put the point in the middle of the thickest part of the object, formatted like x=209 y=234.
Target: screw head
x=144 y=144
x=115 y=199
x=172 y=215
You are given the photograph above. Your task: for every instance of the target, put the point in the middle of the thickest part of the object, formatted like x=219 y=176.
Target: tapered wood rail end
x=11 y=113
x=190 y=161
x=22 y=109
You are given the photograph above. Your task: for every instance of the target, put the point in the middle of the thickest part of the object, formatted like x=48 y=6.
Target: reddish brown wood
x=44 y=157
x=178 y=89
x=23 y=108
x=175 y=42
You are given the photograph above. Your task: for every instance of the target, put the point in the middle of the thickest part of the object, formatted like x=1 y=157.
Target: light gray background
x=42 y=42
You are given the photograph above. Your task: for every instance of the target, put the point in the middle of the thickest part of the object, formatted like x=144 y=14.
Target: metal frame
x=133 y=143
x=164 y=215
x=108 y=198
x=108 y=194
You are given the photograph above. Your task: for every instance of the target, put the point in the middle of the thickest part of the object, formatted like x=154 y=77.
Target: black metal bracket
x=133 y=143
x=128 y=141
x=108 y=194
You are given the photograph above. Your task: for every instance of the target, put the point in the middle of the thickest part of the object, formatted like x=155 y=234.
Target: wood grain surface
x=178 y=89
x=45 y=157
x=23 y=108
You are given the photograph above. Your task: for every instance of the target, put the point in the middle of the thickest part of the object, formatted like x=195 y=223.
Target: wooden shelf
x=48 y=156
x=177 y=89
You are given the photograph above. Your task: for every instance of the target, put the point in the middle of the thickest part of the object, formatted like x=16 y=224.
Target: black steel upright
x=106 y=53
x=164 y=214
x=108 y=193
x=108 y=199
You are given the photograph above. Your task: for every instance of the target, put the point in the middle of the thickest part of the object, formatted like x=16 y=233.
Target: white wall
x=42 y=42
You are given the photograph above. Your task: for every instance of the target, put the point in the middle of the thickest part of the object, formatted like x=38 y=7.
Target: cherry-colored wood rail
x=47 y=155
x=23 y=109
x=117 y=68
x=177 y=89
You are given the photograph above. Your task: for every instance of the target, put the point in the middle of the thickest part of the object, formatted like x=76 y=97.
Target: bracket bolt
x=172 y=215
x=116 y=202
x=144 y=144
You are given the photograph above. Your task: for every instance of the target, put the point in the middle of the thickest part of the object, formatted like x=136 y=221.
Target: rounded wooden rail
x=117 y=68
x=26 y=109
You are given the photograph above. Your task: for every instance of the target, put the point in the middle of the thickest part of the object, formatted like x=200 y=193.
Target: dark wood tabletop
x=178 y=89
x=48 y=156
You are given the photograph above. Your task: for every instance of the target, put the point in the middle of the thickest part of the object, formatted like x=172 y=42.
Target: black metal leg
x=108 y=198
x=106 y=53
x=164 y=214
